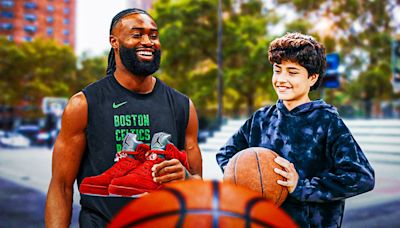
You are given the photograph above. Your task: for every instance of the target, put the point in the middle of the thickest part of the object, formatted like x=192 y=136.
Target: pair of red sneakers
x=131 y=175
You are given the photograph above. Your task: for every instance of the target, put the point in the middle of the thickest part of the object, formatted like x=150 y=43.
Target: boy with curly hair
x=320 y=159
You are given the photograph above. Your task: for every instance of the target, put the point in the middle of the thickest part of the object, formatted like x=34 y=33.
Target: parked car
x=37 y=135
x=30 y=131
x=13 y=139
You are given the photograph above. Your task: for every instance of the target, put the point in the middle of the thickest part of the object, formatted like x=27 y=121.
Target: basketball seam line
x=234 y=167
x=182 y=205
x=260 y=174
x=215 y=203
x=182 y=212
x=250 y=204
x=281 y=191
x=205 y=212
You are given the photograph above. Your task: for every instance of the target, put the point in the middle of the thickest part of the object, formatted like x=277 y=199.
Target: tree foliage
x=31 y=71
x=91 y=69
x=188 y=33
x=362 y=37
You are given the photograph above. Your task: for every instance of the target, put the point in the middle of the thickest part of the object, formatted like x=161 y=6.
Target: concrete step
x=380 y=149
x=376 y=131
x=383 y=158
x=370 y=123
x=209 y=149
x=217 y=141
x=377 y=139
x=224 y=134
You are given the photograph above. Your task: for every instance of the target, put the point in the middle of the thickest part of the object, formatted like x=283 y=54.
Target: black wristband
x=187 y=174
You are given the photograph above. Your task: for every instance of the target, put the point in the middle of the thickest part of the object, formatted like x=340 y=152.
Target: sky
x=94 y=18
x=93 y=24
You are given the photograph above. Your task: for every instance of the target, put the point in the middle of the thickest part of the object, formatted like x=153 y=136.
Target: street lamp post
x=219 y=64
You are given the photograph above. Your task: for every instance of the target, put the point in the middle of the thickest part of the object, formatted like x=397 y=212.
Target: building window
x=28 y=38
x=66 y=1
x=30 y=28
x=66 y=21
x=30 y=17
x=10 y=37
x=7 y=14
x=66 y=42
x=50 y=8
x=30 y=5
x=7 y=3
x=50 y=31
x=49 y=19
x=66 y=32
x=66 y=10
x=6 y=26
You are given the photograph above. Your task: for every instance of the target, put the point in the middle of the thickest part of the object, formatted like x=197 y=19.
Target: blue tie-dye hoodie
x=330 y=163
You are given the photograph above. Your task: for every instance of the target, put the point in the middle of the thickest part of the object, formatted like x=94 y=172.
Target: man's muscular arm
x=192 y=145
x=67 y=155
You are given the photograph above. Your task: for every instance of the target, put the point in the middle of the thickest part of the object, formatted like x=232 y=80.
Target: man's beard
x=137 y=67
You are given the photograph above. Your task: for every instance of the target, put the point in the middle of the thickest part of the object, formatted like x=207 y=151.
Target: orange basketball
x=197 y=203
x=254 y=168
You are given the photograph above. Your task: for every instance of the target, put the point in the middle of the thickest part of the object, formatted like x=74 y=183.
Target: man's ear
x=313 y=79
x=114 y=42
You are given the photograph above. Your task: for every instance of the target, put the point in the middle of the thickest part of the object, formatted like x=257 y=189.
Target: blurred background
x=216 y=53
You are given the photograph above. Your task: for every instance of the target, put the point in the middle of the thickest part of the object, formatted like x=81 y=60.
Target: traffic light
x=331 y=79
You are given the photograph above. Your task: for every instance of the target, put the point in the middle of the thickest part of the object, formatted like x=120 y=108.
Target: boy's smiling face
x=292 y=83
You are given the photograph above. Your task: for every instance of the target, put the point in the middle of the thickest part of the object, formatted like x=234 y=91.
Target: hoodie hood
x=306 y=107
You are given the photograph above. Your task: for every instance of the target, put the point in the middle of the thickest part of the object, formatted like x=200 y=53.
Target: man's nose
x=146 y=40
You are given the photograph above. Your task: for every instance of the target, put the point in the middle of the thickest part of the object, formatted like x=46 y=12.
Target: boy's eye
x=154 y=36
x=137 y=35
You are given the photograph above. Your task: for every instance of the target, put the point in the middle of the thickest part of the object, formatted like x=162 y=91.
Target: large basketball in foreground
x=254 y=168
x=197 y=203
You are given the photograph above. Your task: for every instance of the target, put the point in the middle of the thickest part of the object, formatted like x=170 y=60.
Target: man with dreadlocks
x=97 y=121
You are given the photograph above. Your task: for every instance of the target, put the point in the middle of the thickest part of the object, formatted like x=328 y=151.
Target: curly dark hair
x=301 y=49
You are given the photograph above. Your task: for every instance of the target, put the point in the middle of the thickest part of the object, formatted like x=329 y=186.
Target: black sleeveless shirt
x=114 y=111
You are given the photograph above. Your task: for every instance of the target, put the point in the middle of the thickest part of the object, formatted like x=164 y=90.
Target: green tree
x=90 y=70
x=362 y=36
x=188 y=33
x=33 y=70
x=188 y=37
x=11 y=69
x=247 y=71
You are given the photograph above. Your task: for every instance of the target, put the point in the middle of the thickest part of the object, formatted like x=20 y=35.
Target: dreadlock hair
x=301 y=49
x=111 y=56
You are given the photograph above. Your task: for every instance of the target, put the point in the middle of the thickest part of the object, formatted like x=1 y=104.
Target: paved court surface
x=25 y=175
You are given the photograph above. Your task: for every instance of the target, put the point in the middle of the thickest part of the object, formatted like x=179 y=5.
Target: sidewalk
x=24 y=207
x=21 y=206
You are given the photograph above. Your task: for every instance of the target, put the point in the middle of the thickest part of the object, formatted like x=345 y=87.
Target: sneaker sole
x=133 y=196
x=93 y=190
x=116 y=190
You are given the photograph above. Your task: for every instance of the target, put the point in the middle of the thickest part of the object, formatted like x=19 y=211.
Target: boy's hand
x=289 y=173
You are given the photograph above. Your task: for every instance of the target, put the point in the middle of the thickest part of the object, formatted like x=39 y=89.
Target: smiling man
x=114 y=119
x=321 y=162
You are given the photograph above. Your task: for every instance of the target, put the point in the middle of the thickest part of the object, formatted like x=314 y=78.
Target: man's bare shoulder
x=75 y=113
x=77 y=102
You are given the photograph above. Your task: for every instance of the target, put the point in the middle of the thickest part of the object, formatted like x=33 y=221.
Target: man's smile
x=145 y=54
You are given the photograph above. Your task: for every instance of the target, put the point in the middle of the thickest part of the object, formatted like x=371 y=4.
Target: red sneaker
x=98 y=185
x=172 y=152
x=139 y=180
